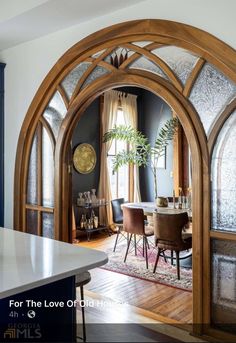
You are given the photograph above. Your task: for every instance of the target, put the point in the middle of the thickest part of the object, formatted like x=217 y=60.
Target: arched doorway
x=191 y=70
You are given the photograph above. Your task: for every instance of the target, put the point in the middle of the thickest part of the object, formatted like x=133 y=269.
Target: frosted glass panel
x=144 y=64
x=32 y=221
x=97 y=54
x=141 y=44
x=70 y=81
x=179 y=60
x=48 y=171
x=54 y=119
x=96 y=73
x=48 y=225
x=223 y=270
x=224 y=178
x=32 y=191
x=55 y=112
x=211 y=93
x=58 y=104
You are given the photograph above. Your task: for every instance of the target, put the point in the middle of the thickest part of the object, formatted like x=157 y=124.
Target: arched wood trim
x=158 y=61
x=49 y=131
x=193 y=76
x=200 y=155
x=63 y=95
x=206 y=46
x=219 y=124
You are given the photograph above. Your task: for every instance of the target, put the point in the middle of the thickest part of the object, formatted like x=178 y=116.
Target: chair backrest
x=117 y=212
x=168 y=229
x=133 y=220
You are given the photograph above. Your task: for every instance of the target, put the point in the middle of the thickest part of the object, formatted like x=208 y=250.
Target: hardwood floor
x=120 y=318
x=168 y=302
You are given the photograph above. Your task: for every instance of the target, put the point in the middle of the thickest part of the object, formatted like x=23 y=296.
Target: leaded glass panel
x=32 y=188
x=223 y=168
x=211 y=92
x=223 y=271
x=179 y=60
x=47 y=171
x=95 y=74
x=70 y=81
x=144 y=64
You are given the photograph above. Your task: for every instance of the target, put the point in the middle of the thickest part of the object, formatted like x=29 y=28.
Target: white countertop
x=28 y=261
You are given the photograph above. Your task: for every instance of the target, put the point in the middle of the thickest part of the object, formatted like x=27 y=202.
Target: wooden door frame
x=209 y=48
x=198 y=145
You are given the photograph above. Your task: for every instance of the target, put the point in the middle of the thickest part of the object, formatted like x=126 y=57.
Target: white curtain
x=108 y=120
x=129 y=107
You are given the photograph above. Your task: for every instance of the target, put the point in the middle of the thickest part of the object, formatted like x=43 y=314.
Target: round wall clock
x=84 y=158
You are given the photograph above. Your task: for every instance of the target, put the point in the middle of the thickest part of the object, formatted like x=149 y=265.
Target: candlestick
x=173 y=198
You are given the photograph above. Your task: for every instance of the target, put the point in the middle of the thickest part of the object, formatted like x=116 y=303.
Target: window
x=120 y=179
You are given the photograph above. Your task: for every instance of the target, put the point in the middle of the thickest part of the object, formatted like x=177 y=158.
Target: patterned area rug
x=136 y=266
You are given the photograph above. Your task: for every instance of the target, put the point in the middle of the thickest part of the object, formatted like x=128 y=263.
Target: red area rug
x=136 y=266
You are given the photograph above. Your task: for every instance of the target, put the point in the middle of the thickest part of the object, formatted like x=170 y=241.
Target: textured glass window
x=179 y=60
x=144 y=64
x=32 y=189
x=142 y=44
x=55 y=112
x=223 y=168
x=223 y=270
x=97 y=54
x=211 y=92
x=48 y=224
x=70 y=81
x=96 y=73
x=32 y=221
x=48 y=171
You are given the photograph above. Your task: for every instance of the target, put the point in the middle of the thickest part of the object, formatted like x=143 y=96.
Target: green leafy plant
x=140 y=152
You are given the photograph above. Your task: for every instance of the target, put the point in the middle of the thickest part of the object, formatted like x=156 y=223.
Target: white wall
x=29 y=63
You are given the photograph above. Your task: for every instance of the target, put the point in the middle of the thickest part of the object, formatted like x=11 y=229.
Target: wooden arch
x=159 y=32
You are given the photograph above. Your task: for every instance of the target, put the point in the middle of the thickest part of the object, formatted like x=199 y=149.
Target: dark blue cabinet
x=2 y=66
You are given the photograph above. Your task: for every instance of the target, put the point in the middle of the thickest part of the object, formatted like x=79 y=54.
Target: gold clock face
x=84 y=158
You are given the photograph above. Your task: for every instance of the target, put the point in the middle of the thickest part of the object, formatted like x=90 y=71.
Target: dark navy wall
x=87 y=131
x=151 y=119
x=149 y=122
x=2 y=66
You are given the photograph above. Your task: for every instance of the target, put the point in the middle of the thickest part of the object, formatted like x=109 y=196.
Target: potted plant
x=140 y=152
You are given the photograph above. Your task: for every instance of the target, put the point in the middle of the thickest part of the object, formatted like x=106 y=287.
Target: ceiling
x=24 y=20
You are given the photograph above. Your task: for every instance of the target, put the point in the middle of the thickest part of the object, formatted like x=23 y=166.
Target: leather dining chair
x=117 y=214
x=168 y=235
x=133 y=224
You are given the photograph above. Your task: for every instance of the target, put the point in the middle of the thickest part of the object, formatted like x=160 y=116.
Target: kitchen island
x=37 y=286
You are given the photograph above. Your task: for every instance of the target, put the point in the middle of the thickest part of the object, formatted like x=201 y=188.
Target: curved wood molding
x=159 y=32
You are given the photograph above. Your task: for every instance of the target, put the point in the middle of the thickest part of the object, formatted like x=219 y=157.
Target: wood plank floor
x=126 y=318
x=162 y=300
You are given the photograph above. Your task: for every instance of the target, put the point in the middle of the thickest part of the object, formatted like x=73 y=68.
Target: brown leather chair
x=133 y=224
x=168 y=235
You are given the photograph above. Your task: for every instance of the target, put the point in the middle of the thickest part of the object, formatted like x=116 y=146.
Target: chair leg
x=143 y=244
x=118 y=232
x=157 y=258
x=83 y=314
x=172 y=257
x=164 y=256
x=127 y=250
x=146 y=253
x=135 y=246
x=177 y=264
